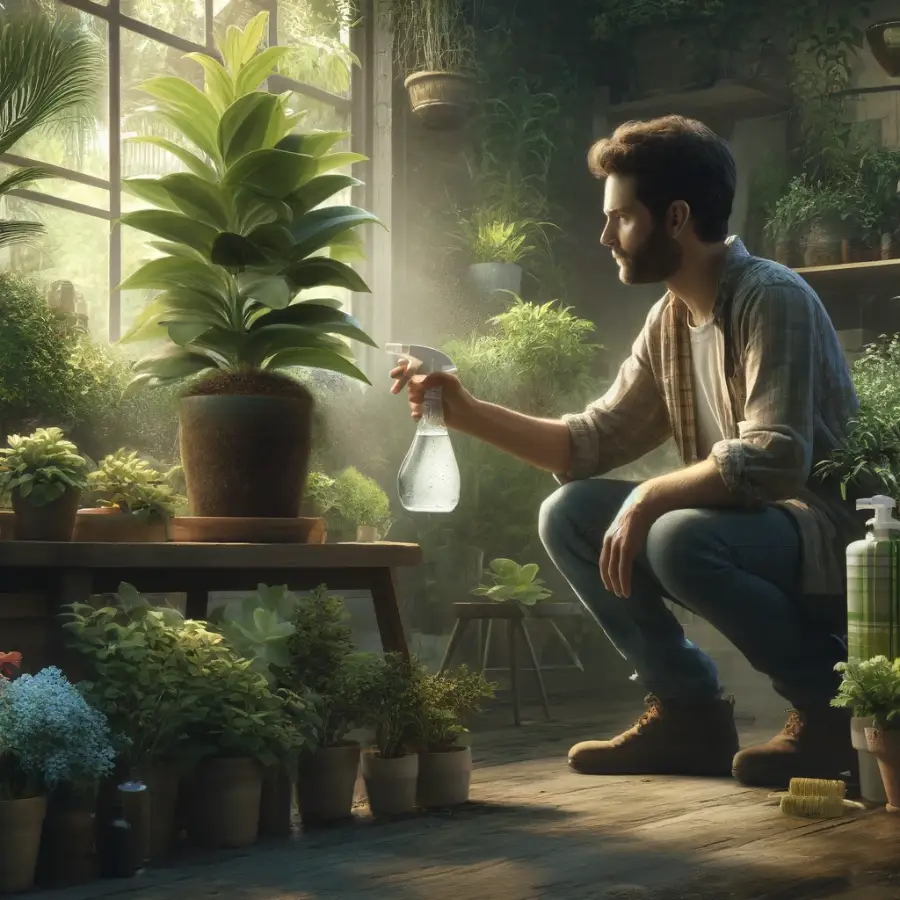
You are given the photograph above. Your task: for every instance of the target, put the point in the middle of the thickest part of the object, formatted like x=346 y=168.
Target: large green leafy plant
x=243 y=233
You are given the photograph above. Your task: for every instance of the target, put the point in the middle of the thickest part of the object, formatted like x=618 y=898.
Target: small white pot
x=444 y=778
x=366 y=534
x=871 y=784
x=390 y=783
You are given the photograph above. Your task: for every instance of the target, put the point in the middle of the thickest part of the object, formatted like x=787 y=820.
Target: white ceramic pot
x=871 y=784
x=390 y=783
x=444 y=778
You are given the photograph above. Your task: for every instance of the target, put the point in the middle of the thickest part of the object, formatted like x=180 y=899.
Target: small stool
x=516 y=616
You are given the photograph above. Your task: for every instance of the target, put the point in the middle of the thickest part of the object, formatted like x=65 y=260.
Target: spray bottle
x=873 y=614
x=429 y=477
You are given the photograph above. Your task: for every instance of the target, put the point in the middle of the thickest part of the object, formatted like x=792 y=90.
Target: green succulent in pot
x=244 y=237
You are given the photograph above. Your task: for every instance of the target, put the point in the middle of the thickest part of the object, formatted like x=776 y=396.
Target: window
x=143 y=38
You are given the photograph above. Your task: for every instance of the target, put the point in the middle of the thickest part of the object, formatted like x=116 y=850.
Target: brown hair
x=673 y=158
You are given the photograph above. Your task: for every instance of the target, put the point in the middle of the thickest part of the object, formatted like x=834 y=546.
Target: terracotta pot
x=21 y=824
x=489 y=277
x=441 y=100
x=223 y=799
x=885 y=747
x=234 y=529
x=245 y=449
x=162 y=779
x=52 y=522
x=326 y=782
x=7 y=525
x=390 y=783
x=276 y=805
x=111 y=525
x=444 y=778
x=871 y=786
x=884 y=40
x=825 y=245
x=68 y=854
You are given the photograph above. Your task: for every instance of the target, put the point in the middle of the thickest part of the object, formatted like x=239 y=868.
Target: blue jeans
x=737 y=569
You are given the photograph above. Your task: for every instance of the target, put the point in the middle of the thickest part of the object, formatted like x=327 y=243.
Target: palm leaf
x=18 y=232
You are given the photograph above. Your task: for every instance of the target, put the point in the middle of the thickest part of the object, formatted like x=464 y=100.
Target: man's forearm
x=543 y=443
x=695 y=487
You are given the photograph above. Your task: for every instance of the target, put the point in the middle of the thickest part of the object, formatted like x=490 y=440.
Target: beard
x=658 y=259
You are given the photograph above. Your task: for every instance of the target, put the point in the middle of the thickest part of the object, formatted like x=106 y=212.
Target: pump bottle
x=428 y=480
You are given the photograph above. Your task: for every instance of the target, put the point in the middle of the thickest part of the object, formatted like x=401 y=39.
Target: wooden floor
x=536 y=830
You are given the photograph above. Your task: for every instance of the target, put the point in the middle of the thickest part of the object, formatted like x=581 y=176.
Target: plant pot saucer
x=240 y=530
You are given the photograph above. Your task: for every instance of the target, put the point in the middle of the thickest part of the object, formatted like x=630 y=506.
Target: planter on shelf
x=441 y=100
x=68 y=854
x=223 y=801
x=366 y=534
x=871 y=785
x=885 y=747
x=227 y=530
x=884 y=41
x=7 y=525
x=489 y=277
x=826 y=245
x=112 y=525
x=444 y=778
x=54 y=521
x=276 y=804
x=21 y=824
x=326 y=782
x=788 y=253
x=390 y=783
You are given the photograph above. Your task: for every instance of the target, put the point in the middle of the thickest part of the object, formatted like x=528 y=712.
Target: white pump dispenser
x=428 y=480
x=883 y=522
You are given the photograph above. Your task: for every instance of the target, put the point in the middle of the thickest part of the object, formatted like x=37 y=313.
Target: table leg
x=487 y=645
x=456 y=636
x=196 y=604
x=387 y=613
x=537 y=667
x=576 y=661
x=511 y=629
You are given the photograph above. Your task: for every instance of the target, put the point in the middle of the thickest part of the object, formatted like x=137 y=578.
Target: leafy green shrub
x=871 y=688
x=360 y=501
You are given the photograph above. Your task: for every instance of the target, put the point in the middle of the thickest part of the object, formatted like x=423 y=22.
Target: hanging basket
x=884 y=40
x=442 y=101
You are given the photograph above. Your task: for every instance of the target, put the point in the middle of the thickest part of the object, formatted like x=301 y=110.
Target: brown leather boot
x=815 y=743
x=671 y=738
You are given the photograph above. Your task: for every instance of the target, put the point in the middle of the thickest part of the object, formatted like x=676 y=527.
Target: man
x=740 y=364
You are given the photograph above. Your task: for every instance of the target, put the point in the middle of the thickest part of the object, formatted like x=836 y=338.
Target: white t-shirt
x=710 y=394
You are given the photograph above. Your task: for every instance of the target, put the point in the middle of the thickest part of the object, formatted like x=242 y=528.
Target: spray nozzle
x=423 y=360
x=883 y=507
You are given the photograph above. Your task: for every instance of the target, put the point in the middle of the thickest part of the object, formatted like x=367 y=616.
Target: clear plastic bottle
x=429 y=477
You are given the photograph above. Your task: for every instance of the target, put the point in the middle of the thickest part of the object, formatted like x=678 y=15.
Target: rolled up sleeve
x=627 y=422
x=772 y=456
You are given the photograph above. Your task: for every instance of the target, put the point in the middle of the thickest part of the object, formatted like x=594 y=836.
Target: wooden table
x=64 y=573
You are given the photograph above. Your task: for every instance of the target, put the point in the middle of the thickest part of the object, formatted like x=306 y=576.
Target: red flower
x=10 y=664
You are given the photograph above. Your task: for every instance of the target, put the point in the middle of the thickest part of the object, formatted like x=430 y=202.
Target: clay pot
x=54 y=521
x=441 y=100
x=223 y=799
x=245 y=448
x=871 y=785
x=326 y=782
x=826 y=245
x=885 y=747
x=68 y=854
x=390 y=783
x=276 y=805
x=444 y=778
x=7 y=525
x=787 y=253
x=21 y=824
x=111 y=525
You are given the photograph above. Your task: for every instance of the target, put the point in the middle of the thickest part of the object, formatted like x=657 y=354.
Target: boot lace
x=794 y=724
x=651 y=714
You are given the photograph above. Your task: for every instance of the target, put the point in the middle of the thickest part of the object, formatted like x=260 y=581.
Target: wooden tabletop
x=87 y=555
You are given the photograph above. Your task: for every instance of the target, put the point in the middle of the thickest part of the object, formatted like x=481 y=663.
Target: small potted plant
x=513 y=583
x=319 y=499
x=7 y=517
x=50 y=739
x=435 y=48
x=871 y=688
x=447 y=701
x=136 y=503
x=44 y=475
x=390 y=768
x=362 y=504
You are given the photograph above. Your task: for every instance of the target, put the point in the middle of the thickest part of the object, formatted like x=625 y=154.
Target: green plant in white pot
x=362 y=504
x=446 y=703
x=248 y=251
x=45 y=476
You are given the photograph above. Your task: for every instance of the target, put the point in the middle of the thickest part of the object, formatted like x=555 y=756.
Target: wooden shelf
x=731 y=98
x=878 y=277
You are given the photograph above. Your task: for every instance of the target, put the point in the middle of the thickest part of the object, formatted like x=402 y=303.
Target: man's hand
x=456 y=399
x=622 y=543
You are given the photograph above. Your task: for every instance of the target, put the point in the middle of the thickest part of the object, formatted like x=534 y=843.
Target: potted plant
x=884 y=40
x=879 y=177
x=7 y=517
x=446 y=702
x=245 y=238
x=320 y=498
x=363 y=504
x=435 y=48
x=136 y=502
x=871 y=688
x=390 y=768
x=44 y=475
x=50 y=738
x=513 y=583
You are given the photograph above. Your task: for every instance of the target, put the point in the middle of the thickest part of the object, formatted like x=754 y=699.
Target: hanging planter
x=884 y=41
x=441 y=101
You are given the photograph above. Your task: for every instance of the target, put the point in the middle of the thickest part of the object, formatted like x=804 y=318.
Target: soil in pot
x=245 y=444
x=444 y=778
x=441 y=100
x=276 y=805
x=68 y=854
x=885 y=747
x=52 y=522
x=223 y=800
x=21 y=823
x=390 y=783
x=325 y=784
x=111 y=525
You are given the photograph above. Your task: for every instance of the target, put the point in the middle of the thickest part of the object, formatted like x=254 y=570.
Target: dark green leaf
x=197 y=198
x=173 y=363
x=320 y=271
x=312 y=315
x=317 y=190
x=312 y=143
x=316 y=229
x=172 y=226
x=270 y=172
x=315 y=359
x=235 y=252
x=245 y=124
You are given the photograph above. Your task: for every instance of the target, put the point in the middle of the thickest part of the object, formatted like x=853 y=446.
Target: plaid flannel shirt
x=791 y=397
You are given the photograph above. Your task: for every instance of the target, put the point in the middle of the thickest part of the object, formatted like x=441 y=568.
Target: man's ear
x=678 y=216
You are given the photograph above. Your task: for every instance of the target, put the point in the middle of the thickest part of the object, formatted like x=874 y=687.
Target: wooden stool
x=516 y=616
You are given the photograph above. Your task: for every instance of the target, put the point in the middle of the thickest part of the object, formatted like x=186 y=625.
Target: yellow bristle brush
x=814 y=798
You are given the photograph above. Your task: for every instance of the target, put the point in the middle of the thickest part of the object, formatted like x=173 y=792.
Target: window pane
x=185 y=18
x=319 y=33
x=80 y=146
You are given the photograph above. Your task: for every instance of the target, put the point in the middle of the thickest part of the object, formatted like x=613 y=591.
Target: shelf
x=878 y=277
x=731 y=98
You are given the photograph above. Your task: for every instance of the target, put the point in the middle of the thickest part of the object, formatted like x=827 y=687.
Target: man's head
x=670 y=187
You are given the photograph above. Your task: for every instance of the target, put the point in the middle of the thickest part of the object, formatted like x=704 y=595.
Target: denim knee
x=683 y=544
x=581 y=510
